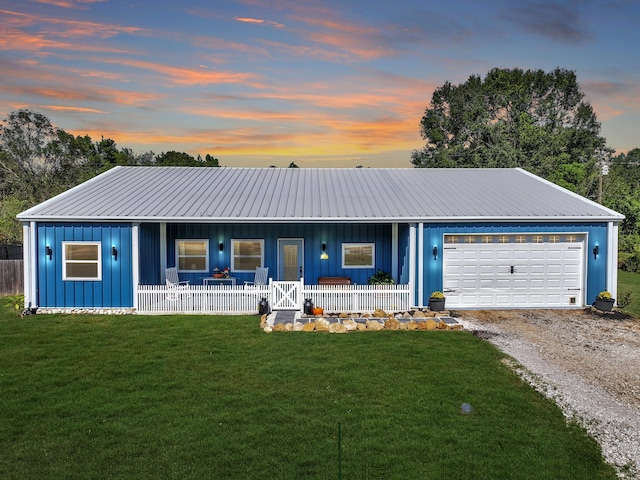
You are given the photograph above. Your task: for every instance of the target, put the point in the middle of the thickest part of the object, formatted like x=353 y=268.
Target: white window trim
x=178 y=256
x=360 y=244
x=233 y=257
x=65 y=262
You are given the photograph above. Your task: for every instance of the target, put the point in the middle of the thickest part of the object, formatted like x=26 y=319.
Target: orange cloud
x=192 y=76
x=259 y=21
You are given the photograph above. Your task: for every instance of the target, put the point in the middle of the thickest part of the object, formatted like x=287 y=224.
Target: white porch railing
x=220 y=299
x=223 y=299
x=359 y=298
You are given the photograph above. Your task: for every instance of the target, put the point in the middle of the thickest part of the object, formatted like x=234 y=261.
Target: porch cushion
x=334 y=281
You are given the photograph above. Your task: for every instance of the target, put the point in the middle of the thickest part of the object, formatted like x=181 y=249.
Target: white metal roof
x=275 y=195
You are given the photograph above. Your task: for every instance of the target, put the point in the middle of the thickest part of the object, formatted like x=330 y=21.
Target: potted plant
x=604 y=302
x=380 y=278
x=436 y=301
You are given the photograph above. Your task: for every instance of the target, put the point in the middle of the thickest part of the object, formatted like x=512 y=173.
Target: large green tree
x=514 y=118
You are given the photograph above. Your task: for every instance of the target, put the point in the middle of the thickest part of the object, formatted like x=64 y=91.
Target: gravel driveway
x=588 y=362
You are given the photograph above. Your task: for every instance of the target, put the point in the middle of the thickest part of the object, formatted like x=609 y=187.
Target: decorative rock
x=366 y=315
x=343 y=315
x=337 y=328
x=419 y=314
x=403 y=326
x=361 y=327
x=297 y=326
x=268 y=329
x=279 y=327
x=350 y=325
x=457 y=326
x=374 y=325
x=421 y=325
x=431 y=324
x=309 y=327
x=263 y=321
x=442 y=325
x=411 y=325
x=379 y=313
x=392 y=324
x=322 y=325
x=288 y=327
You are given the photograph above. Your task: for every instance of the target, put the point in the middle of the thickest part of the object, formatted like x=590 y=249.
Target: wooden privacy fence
x=11 y=277
x=227 y=299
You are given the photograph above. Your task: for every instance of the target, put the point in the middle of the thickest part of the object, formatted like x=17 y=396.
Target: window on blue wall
x=81 y=261
x=358 y=255
x=247 y=255
x=192 y=255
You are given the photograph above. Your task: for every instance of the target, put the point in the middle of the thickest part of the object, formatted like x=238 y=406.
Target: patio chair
x=175 y=285
x=262 y=273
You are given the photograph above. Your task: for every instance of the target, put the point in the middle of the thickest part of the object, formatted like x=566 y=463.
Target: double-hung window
x=192 y=255
x=81 y=261
x=247 y=255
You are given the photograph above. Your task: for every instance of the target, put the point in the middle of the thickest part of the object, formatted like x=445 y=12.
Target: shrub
x=604 y=295
x=380 y=278
x=624 y=298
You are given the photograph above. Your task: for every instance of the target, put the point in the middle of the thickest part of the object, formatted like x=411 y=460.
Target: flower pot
x=436 y=304
x=604 y=305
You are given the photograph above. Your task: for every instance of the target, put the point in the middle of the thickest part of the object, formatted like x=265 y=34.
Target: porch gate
x=286 y=295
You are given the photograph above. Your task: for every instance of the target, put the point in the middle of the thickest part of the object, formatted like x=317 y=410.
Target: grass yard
x=93 y=397
x=630 y=282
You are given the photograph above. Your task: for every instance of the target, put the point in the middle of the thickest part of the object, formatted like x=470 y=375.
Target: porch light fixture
x=114 y=253
x=435 y=252
x=221 y=246
x=596 y=252
x=48 y=252
x=324 y=255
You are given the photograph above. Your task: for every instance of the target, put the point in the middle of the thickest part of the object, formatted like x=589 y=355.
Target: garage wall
x=596 y=235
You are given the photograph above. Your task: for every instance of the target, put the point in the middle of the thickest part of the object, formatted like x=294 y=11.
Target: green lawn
x=214 y=397
x=630 y=282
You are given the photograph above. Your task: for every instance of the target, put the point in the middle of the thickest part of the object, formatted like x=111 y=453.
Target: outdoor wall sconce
x=435 y=252
x=324 y=255
x=221 y=246
x=596 y=252
x=48 y=252
x=114 y=253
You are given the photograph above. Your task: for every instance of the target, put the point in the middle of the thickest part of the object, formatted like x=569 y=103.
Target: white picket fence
x=227 y=299
x=359 y=298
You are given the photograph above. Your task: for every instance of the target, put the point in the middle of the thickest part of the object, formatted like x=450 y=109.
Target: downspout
x=135 y=261
x=612 y=259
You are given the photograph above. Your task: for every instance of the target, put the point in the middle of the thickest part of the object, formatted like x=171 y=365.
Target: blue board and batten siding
x=596 y=235
x=313 y=235
x=114 y=290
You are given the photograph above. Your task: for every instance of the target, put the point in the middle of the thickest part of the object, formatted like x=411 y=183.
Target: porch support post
x=420 y=264
x=394 y=252
x=163 y=252
x=135 y=261
x=412 y=263
x=29 y=256
x=612 y=259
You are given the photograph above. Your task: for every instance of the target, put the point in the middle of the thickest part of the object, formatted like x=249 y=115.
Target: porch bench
x=334 y=281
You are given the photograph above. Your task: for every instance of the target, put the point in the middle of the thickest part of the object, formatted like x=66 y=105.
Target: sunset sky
x=322 y=83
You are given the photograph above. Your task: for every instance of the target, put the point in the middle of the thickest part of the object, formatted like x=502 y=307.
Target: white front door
x=514 y=271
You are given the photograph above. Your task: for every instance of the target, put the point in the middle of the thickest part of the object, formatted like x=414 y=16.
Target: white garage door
x=513 y=271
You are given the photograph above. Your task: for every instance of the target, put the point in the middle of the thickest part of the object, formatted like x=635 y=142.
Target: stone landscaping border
x=344 y=323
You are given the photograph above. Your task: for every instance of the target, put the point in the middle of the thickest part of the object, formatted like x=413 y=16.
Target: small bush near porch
x=215 y=397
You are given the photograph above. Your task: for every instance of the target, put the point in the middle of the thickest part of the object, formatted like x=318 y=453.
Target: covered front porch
x=281 y=295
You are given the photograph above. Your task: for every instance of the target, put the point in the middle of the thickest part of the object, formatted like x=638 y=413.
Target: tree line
x=538 y=121
x=39 y=161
